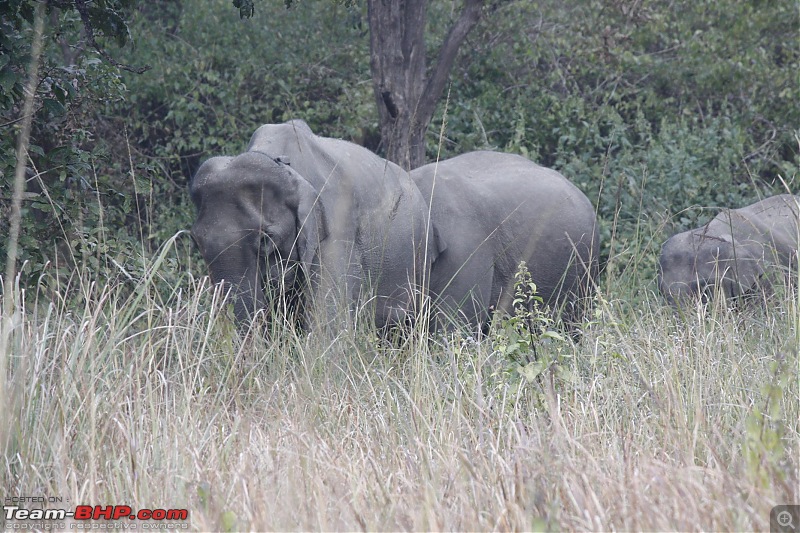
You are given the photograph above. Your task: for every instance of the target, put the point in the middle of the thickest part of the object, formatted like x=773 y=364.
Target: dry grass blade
x=665 y=423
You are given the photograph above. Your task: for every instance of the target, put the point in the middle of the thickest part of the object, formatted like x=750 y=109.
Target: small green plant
x=763 y=447
x=517 y=337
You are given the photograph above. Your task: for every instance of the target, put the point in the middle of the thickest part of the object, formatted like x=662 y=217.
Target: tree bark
x=405 y=93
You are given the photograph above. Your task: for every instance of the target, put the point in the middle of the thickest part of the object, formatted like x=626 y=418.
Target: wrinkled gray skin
x=336 y=215
x=732 y=253
x=490 y=211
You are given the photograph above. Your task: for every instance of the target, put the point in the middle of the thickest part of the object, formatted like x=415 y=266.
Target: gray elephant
x=307 y=216
x=734 y=253
x=489 y=212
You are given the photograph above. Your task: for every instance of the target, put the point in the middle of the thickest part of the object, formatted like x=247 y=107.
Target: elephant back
x=490 y=212
x=375 y=215
x=350 y=178
x=773 y=220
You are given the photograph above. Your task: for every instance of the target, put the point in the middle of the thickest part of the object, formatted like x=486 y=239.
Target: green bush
x=72 y=197
x=654 y=111
x=659 y=113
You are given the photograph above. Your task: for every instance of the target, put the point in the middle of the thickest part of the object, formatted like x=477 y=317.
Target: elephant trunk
x=244 y=283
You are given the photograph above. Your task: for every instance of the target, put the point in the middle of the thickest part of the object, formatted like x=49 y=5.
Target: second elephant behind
x=739 y=252
x=489 y=212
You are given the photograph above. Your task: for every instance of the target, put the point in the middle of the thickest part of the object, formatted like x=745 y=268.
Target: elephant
x=735 y=253
x=489 y=212
x=313 y=220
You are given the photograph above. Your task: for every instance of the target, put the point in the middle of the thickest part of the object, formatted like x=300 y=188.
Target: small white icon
x=785 y=519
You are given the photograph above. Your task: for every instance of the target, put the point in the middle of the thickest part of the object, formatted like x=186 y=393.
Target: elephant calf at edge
x=489 y=212
x=313 y=216
x=735 y=253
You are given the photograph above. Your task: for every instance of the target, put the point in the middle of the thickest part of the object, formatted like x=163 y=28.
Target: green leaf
x=26 y=11
x=60 y=94
x=228 y=521
x=550 y=334
x=54 y=107
x=7 y=79
x=533 y=370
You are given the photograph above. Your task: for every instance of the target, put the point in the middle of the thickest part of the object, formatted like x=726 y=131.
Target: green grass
x=126 y=393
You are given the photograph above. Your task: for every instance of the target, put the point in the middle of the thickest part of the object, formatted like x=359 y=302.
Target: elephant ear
x=437 y=244
x=750 y=267
x=311 y=226
x=744 y=266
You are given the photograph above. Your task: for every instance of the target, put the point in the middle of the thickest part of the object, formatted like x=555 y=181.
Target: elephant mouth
x=679 y=293
x=282 y=282
x=704 y=291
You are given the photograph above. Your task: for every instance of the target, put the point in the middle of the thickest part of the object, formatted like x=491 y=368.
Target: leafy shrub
x=658 y=113
x=70 y=192
x=655 y=112
x=519 y=338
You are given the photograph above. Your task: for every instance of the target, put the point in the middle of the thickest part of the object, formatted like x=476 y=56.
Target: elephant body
x=490 y=211
x=297 y=213
x=733 y=253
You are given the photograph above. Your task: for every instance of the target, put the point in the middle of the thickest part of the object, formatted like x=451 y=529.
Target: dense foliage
x=75 y=192
x=651 y=108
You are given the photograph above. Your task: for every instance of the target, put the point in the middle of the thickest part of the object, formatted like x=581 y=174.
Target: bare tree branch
x=80 y=5
x=469 y=17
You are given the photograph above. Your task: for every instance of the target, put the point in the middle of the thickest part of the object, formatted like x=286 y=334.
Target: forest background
x=656 y=110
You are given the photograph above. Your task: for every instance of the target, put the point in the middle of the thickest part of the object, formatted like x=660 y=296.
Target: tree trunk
x=406 y=95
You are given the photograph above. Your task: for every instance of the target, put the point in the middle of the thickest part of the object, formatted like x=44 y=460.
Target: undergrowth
x=151 y=398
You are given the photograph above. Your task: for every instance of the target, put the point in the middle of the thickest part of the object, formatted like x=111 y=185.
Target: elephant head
x=696 y=263
x=259 y=224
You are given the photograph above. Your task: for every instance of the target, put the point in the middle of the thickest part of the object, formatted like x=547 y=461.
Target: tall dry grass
x=128 y=394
